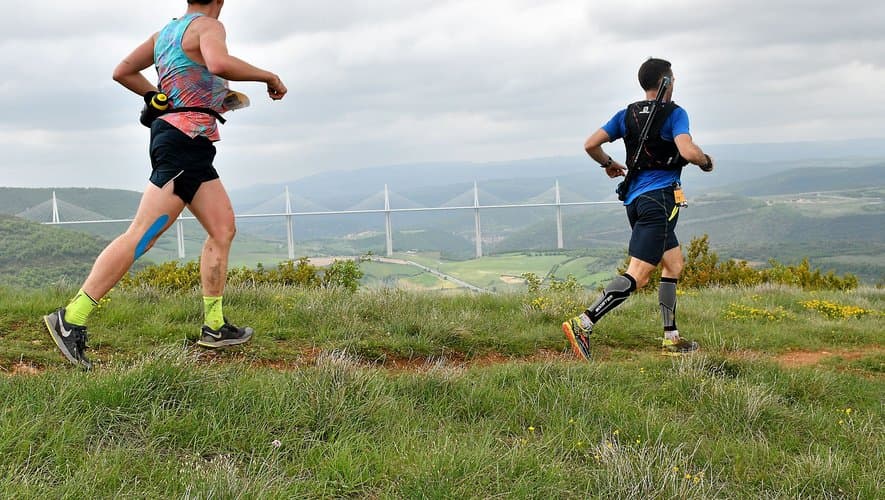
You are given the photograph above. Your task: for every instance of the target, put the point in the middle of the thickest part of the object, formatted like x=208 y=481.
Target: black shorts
x=653 y=216
x=177 y=158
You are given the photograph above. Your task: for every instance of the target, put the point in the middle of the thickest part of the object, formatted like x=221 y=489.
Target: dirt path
x=314 y=356
x=796 y=359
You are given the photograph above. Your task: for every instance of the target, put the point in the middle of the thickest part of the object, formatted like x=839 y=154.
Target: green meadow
x=392 y=393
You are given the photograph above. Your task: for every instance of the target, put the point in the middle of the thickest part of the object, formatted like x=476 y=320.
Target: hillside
x=838 y=226
x=743 y=228
x=74 y=203
x=809 y=179
x=33 y=255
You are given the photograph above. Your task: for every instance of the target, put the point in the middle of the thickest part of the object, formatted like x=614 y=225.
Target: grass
x=324 y=402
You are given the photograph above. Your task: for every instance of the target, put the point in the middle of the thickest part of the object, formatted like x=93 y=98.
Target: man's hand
x=616 y=170
x=708 y=166
x=275 y=88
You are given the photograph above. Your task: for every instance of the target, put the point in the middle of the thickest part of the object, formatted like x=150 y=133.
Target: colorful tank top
x=187 y=83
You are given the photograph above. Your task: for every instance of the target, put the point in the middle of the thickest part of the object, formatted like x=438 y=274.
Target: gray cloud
x=397 y=81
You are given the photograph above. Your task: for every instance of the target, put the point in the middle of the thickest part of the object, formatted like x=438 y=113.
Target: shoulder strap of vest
x=663 y=111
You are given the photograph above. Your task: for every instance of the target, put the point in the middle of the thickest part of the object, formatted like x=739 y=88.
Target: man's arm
x=692 y=152
x=128 y=72
x=593 y=147
x=213 y=48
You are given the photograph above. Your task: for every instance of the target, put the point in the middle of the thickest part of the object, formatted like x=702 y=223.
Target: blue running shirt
x=676 y=124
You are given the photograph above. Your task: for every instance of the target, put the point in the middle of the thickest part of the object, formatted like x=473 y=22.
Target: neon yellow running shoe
x=678 y=347
x=578 y=336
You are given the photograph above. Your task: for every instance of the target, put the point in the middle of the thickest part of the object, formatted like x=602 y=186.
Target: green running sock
x=212 y=313
x=79 y=309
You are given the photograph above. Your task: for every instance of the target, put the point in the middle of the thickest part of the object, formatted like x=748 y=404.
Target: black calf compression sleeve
x=616 y=292
x=667 y=299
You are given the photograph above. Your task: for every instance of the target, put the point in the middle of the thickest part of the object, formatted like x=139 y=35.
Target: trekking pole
x=662 y=89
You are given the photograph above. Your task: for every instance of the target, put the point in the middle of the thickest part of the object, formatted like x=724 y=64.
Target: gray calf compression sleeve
x=616 y=292
x=667 y=299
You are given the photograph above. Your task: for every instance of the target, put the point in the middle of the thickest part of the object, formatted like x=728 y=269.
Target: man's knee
x=224 y=233
x=673 y=269
x=640 y=271
x=673 y=264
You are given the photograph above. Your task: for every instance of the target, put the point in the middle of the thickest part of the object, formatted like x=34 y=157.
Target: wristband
x=607 y=163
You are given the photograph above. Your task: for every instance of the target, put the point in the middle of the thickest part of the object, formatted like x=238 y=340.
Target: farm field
x=503 y=272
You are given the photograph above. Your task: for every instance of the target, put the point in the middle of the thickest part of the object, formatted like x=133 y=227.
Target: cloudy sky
x=378 y=82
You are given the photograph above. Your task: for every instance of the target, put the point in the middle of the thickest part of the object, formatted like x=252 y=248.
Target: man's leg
x=652 y=217
x=159 y=207
x=212 y=207
x=579 y=328
x=620 y=288
x=671 y=269
x=157 y=211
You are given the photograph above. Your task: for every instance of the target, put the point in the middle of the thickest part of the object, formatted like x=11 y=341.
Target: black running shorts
x=177 y=158
x=653 y=217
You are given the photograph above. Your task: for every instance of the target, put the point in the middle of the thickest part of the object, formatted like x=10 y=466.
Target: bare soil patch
x=21 y=368
x=796 y=359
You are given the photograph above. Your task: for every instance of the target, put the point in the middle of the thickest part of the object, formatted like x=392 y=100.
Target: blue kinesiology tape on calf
x=149 y=235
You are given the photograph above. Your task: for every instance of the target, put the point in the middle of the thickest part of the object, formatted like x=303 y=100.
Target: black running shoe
x=70 y=339
x=227 y=335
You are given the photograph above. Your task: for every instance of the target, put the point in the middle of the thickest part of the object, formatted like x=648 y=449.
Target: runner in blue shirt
x=652 y=199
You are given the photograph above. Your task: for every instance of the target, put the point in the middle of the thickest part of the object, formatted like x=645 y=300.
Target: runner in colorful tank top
x=187 y=83
x=193 y=66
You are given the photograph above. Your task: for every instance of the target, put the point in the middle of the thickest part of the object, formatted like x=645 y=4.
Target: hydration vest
x=657 y=154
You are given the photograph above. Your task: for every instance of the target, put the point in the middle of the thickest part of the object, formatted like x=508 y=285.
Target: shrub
x=342 y=273
x=170 y=276
x=560 y=297
x=704 y=269
x=808 y=279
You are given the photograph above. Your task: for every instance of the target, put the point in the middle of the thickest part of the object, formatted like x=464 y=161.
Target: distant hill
x=738 y=227
x=343 y=189
x=34 y=255
x=73 y=203
x=811 y=179
x=851 y=150
x=431 y=184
